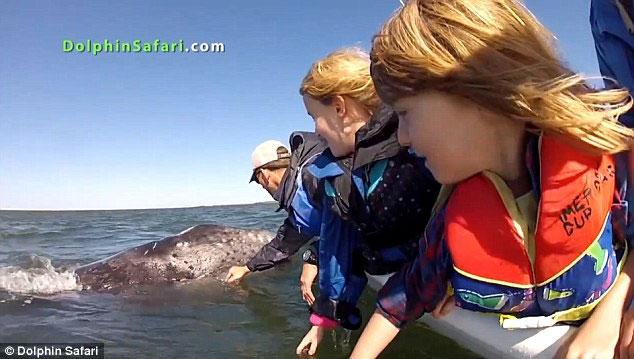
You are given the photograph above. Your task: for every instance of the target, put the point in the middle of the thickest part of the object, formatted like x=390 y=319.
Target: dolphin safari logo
x=157 y=46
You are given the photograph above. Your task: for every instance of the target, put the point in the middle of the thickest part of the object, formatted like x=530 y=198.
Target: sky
x=158 y=130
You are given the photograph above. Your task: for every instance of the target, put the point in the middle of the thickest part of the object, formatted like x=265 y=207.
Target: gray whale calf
x=201 y=251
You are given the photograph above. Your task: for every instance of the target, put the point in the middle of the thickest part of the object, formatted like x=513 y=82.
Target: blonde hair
x=495 y=53
x=345 y=72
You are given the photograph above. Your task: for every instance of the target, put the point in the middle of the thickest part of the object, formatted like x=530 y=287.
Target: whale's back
x=201 y=251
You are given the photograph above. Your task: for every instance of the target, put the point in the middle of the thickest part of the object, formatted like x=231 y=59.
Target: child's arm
x=378 y=333
x=416 y=289
x=599 y=335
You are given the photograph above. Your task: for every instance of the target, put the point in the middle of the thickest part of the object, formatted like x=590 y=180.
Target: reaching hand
x=626 y=344
x=311 y=341
x=595 y=339
x=309 y=272
x=236 y=273
x=446 y=305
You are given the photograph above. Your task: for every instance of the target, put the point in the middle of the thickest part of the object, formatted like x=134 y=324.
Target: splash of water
x=38 y=276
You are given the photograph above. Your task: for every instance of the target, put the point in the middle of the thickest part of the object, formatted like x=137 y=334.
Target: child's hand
x=309 y=272
x=626 y=346
x=596 y=338
x=236 y=273
x=445 y=306
x=311 y=340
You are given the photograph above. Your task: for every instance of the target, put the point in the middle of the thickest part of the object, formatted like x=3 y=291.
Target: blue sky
x=125 y=130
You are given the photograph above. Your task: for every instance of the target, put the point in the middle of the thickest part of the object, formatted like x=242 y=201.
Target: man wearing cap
x=285 y=176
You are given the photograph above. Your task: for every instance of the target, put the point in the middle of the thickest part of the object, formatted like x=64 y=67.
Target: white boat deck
x=482 y=334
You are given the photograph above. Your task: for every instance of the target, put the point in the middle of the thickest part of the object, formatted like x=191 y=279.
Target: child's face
x=329 y=125
x=449 y=131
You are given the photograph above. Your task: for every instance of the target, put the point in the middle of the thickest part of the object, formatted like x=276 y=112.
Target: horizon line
x=125 y=209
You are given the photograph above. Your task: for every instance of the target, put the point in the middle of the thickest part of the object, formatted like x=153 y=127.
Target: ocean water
x=264 y=316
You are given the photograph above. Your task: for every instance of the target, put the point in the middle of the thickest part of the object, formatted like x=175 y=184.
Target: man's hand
x=236 y=273
x=309 y=272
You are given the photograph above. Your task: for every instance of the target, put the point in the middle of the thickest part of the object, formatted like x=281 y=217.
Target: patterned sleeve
x=419 y=286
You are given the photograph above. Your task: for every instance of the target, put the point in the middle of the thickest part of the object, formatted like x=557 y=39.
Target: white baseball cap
x=267 y=152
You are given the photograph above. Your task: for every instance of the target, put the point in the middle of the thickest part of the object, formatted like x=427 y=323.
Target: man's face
x=263 y=177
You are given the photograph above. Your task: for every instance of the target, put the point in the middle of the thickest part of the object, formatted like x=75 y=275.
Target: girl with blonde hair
x=373 y=191
x=530 y=221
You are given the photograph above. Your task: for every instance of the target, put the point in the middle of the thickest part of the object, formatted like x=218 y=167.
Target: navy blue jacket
x=373 y=210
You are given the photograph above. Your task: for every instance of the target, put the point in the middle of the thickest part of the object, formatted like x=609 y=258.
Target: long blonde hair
x=495 y=53
x=345 y=72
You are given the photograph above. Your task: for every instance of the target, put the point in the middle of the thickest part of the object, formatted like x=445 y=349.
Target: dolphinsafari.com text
x=139 y=46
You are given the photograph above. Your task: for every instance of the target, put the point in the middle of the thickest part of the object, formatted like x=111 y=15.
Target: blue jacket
x=371 y=206
x=615 y=45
